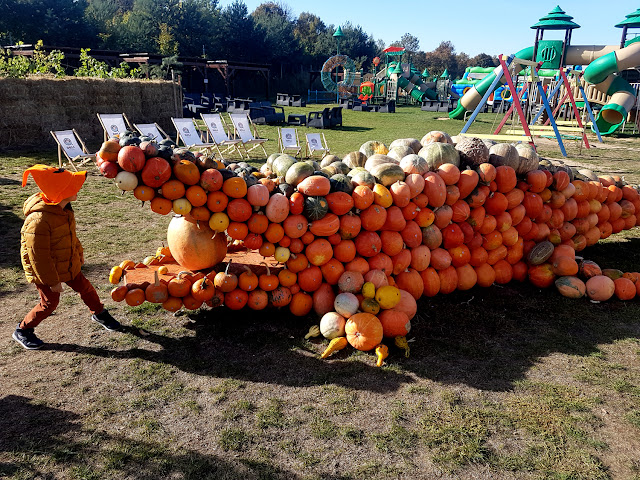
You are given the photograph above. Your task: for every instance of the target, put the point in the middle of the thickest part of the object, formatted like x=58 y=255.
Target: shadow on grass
x=490 y=338
x=262 y=347
x=487 y=338
x=35 y=437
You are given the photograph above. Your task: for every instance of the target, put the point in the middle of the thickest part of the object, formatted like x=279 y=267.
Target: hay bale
x=33 y=106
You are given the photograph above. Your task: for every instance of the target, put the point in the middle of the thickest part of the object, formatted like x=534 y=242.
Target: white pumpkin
x=332 y=325
x=346 y=304
x=126 y=181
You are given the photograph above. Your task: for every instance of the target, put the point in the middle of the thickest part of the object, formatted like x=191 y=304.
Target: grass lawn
x=508 y=382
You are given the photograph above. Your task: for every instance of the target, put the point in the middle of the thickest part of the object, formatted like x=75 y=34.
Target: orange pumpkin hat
x=55 y=184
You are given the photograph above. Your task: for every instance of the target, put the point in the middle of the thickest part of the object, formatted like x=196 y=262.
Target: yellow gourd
x=115 y=275
x=314 y=331
x=382 y=352
x=282 y=254
x=335 y=345
x=388 y=296
x=370 y=305
x=127 y=264
x=382 y=196
x=401 y=342
x=163 y=270
x=368 y=290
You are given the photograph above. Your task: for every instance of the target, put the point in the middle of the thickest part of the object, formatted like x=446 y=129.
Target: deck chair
x=152 y=130
x=288 y=141
x=245 y=130
x=188 y=132
x=71 y=145
x=218 y=136
x=316 y=145
x=113 y=124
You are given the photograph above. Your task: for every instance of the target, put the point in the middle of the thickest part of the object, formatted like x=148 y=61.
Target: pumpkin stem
x=156 y=278
x=267 y=267
x=226 y=270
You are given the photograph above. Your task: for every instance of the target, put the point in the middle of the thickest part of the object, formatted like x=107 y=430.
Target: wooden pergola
x=227 y=69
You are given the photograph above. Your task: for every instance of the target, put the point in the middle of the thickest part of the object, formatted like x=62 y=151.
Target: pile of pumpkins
x=430 y=216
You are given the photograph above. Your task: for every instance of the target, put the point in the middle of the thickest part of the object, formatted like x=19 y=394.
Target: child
x=51 y=252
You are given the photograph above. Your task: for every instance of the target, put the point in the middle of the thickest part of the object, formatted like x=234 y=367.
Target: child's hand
x=57 y=288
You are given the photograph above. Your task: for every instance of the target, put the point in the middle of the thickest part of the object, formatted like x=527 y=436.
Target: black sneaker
x=105 y=319
x=27 y=338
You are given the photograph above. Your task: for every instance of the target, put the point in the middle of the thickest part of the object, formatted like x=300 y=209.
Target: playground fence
x=321 y=96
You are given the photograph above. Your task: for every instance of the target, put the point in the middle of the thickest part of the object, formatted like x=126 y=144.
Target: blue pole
x=485 y=97
x=547 y=107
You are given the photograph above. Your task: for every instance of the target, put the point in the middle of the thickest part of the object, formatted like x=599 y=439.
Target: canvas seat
x=189 y=135
x=113 y=124
x=245 y=130
x=218 y=136
x=152 y=130
x=316 y=144
x=288 y=141
x=72 y=147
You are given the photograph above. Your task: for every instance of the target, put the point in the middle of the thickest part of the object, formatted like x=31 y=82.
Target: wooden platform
x=239 y=260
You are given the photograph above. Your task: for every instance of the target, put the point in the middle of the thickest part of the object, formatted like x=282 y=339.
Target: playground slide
x=601 y=73
x=470 y=100
x=413 y=88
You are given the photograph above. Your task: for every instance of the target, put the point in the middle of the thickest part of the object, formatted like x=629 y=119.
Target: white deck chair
x=151 y=130
x=316 y=144
x=113 y=124
x=188 y=132
x=245 y=130
x=217 y=134
x=71 y=145
x=288 y=141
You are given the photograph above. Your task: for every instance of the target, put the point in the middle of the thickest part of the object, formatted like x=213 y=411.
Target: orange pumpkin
x=280 y=297
x=431 y=282
x=225 y=281
x=323 y=299
x=203 y=289
x=235 y=187
x=195 y=246
x=248 y=280
x=236 y=299
x=301 y=304
x=258 y=300
x=364 y=331
x=172 y=304
x=310 y=278
x=624 y=288
x=395 y=323
x=362 y=197
x=187 y=172
x=268 y=281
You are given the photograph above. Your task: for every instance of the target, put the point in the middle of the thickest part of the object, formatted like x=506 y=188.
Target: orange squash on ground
x=364 y=331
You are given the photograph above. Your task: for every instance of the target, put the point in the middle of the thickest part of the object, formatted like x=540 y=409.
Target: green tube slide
x=611 y=116
x=471 y=99
x=415 y=92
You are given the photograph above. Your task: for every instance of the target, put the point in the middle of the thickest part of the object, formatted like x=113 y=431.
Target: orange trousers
x=49 y=301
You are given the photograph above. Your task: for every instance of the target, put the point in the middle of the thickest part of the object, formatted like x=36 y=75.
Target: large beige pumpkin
x=192 y=246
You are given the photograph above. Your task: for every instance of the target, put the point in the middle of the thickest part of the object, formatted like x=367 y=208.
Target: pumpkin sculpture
x=370 y=235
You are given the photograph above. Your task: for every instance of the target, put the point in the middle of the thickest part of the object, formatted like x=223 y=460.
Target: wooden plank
x=518 y=138
x=547 y=128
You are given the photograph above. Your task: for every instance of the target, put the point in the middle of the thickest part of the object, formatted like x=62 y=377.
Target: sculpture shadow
x=264 y=347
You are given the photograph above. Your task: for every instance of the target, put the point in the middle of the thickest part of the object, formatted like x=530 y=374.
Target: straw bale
x=33 y=106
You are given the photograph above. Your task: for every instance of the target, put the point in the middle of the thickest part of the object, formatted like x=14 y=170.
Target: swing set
x=521 y=130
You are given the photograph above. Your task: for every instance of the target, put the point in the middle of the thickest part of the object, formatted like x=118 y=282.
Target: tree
x=484 y=60
x=279 y=40
x=238 y=30
x=443 y=57
x=410 y=43
x=308 y=30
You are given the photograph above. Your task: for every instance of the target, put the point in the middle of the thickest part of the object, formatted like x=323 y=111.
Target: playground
x=513 y=379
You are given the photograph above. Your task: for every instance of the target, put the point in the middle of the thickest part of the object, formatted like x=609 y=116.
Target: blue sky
x=473 y=27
